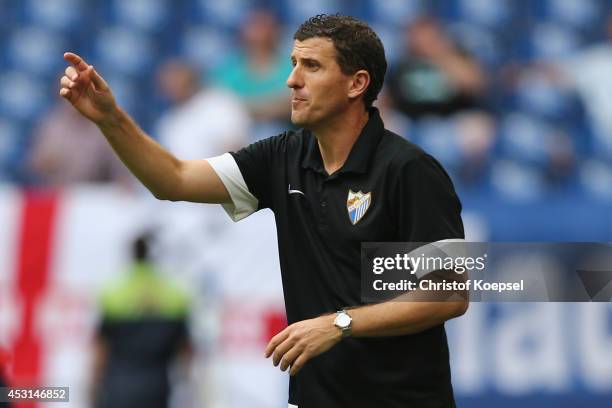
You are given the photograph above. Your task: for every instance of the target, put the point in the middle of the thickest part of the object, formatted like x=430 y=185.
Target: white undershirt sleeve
x=243 y=202
x=438 y=250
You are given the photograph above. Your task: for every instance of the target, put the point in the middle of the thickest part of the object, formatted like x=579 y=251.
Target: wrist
x=343 y=321
x=336 y=332
x=111 y=118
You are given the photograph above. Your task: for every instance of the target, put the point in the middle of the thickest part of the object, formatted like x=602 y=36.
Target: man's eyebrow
x=305 y=59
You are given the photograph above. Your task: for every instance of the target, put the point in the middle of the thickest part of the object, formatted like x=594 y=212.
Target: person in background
x=588 y=73
x=257 y=72
x=52 y=160
x=394 y=120
x=202 y=121
x=143 y=330
x=437 y=80
x=435 y=76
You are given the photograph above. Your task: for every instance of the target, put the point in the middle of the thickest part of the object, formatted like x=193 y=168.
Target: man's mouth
x=296 y=102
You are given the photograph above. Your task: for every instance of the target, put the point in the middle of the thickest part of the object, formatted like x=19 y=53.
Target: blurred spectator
x=435 y=76
x=52 y=160
x=258 y=71
x=441 y=87
x=202 y=122
x=589 y=72
x=475 y=138
x=394 y=120
x=143 y=330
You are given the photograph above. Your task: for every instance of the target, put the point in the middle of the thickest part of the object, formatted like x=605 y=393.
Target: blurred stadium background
x=530 y=154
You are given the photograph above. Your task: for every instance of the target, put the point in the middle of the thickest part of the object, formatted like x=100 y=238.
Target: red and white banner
x=58 y=248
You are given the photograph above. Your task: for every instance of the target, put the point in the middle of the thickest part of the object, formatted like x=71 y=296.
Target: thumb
x=96 y=79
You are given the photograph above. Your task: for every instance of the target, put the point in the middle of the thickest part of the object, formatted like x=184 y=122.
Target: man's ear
x=359 y=83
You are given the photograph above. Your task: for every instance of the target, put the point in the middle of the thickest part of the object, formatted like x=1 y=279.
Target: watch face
x=343 y=320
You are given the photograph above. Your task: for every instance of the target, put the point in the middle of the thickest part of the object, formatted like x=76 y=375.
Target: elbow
x=163 y=195
x=159 y=196
x=170 y=189
x=460 y=308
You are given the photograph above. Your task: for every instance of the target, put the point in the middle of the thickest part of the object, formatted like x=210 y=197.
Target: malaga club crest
x=357 y=205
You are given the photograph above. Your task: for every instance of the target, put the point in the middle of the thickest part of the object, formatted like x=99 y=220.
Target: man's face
x=319 y=89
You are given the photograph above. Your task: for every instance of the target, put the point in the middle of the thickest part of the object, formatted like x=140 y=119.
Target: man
x=143 y=330
x=256 y=69
x=434 y=77
x=341 y=180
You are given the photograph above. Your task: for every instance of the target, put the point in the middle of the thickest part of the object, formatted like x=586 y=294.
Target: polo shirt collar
x=361 y=154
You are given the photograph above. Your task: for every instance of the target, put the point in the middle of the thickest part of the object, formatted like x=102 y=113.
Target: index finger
x=78 y=62
x=275 y=341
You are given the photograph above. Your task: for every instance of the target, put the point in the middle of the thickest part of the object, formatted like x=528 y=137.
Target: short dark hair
x=357 y=47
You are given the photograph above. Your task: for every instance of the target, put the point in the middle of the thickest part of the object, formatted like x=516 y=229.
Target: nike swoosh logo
x=295 y=191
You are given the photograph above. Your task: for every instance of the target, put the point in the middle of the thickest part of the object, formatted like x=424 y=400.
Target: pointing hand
x=86 y=90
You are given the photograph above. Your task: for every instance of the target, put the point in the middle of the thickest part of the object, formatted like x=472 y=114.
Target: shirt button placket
x=323 y=223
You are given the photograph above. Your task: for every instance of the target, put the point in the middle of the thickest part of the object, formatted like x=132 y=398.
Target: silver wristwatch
x=344 y=322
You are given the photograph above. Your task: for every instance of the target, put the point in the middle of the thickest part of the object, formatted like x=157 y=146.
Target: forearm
x=301 y=341
x=413 y=311
x=154 y=166
x=163 y=174
x=463 y=73
x=397 y=318
x=305 y=339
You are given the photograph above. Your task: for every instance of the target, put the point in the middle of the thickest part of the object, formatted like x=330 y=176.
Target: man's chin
x=298 y=120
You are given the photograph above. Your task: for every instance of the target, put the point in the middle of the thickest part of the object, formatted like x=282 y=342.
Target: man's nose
x=294 y=80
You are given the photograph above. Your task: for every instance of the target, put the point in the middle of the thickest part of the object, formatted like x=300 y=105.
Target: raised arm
x=167 y=177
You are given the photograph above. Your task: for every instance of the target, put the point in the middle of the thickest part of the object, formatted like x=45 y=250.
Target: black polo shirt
x=388 y=190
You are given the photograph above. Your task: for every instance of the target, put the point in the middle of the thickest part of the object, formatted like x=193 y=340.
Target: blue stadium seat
x=18 y=144
x=126 y=51
x=125 y=90
x=8 y=16
x=537 y=94
x=392 y=40
x=36 y=50
x=552 y=41
x=439 y=138
x=4 y=34
x=57 y=15
x=395 y=13
x=523 y=138
x=22 y=96
x=481 y=42
x=204 y=46
x=298 y=10
x=484 y=12
x=144 y=15
x=9 y=137
x=227 y=13
x=596 y=178
x=516 y=181
x=602 y=146
x=575 y=13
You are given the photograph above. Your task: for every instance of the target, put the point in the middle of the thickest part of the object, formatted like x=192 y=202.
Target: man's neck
x=337 y=137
